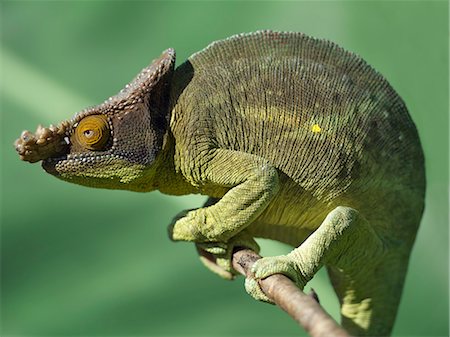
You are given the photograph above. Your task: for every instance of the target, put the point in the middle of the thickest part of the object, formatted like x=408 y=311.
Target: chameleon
x=291 y=137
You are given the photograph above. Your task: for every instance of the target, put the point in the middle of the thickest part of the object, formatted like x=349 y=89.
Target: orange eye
x=92 y=132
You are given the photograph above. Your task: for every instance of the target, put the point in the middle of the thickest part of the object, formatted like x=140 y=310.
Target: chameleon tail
x=360 y=315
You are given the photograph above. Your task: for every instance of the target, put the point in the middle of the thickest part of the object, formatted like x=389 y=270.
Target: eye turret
x=92 y=132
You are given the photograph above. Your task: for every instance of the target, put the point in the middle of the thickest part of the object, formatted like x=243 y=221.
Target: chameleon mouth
x=49 y=164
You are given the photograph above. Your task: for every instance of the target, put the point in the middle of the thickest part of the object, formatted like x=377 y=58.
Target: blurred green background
x=85 y=262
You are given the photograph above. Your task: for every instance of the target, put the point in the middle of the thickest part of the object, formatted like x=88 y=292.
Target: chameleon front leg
x=216 y=256
x=347 y=242
x=252 y=184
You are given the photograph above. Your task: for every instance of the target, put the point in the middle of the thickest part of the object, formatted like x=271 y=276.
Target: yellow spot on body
x=316 y=128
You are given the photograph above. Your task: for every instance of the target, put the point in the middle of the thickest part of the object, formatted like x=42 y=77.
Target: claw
x=314 y=295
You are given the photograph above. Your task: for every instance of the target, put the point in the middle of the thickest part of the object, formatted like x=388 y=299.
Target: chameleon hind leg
x=359 y=265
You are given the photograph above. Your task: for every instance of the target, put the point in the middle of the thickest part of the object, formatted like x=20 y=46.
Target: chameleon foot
x=217 y=256
x=268 y=266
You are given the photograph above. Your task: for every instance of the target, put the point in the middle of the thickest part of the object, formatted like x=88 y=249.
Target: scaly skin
x=293 y=138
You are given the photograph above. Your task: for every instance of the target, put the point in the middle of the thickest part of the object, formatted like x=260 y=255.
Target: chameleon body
x=293 y=138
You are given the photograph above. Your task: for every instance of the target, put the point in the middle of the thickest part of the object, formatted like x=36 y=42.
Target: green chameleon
x=293 y=139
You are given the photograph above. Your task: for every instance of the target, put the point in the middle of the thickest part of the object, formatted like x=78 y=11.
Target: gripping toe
x=217 y=256
x=283 y=264
x=253 y=289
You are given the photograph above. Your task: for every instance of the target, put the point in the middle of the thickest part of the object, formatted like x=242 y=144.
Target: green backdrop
x=84 y=262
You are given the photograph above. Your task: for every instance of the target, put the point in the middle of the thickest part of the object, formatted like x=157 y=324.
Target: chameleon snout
x=44 y=143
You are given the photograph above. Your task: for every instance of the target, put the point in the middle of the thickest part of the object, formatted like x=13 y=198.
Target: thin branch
x=301 y=307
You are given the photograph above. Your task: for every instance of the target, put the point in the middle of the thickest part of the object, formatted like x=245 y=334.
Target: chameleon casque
x=293 y=139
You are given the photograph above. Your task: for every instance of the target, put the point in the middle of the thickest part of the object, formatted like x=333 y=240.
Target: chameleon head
x=114 y=144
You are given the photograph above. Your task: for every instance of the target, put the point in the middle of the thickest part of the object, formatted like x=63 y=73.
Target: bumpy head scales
x=44 y=143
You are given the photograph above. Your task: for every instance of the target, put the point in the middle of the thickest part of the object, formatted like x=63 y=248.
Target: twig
x=301 y=307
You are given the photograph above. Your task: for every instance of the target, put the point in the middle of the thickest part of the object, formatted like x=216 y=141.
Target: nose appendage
x=44 y=143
